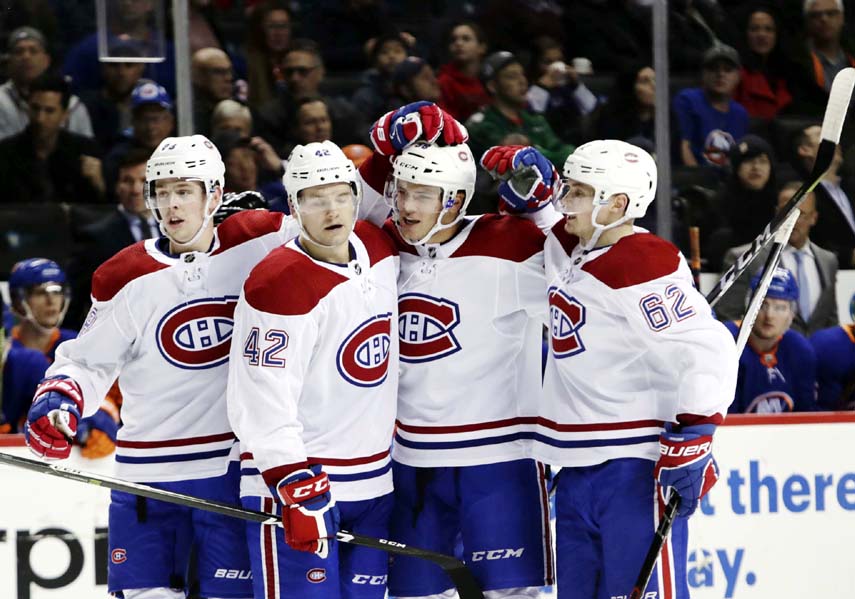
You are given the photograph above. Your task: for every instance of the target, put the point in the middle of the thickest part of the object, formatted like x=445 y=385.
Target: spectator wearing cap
x=304 y=74
x=814 y=268
x=385 y=53
x=824 y=52
x=463 y=91
x=110 y=105
x=44 y=162
x=507 y=121
x=708 y=118
x=777 y=368
x=152 y=121
x=213 y=79
x=414 y=80
x=28 y=59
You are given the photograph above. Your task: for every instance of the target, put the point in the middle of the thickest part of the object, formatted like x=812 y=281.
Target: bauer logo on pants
x=363 y=358
x=425 y=326
x=198 y=334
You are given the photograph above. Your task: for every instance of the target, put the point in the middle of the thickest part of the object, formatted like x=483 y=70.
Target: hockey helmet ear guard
x=452 y=169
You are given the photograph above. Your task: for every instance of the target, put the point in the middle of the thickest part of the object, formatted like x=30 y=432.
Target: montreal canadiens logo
x=117 y=556
x=363 y=358
x=316 y=575
x=425 y=326
x=197 y=334
x=566 y=317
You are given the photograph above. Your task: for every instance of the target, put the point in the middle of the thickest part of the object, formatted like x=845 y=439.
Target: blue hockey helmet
x=783 y=285
x=35 y=272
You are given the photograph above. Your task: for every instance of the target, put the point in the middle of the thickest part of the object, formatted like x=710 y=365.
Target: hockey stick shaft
x=664 y=528
x=467 y=586
x=695 y=255
x=832 y=125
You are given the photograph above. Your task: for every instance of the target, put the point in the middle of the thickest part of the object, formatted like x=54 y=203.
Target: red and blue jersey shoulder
x=502 y=236
x=245 y=226
x=289 y=283
x=634 y=260
x=129 y=264
x=376 y=241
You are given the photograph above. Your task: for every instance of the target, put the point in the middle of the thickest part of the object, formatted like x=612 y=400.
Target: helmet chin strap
x=600 y=229
x=208 y=216
x=29 y=317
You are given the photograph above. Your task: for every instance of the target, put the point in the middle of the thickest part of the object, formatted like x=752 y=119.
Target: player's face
x=181 y=204
x=754 y=173
x=576 y=201
x=762 y=33
x=774 y=319
x=46 y=302
x=327 y=213
x=130 y=189
x=418 y=208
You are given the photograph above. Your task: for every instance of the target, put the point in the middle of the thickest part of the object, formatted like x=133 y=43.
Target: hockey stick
x=664 y=528
x=695 y=255
x=467 y=586
x=832 y=125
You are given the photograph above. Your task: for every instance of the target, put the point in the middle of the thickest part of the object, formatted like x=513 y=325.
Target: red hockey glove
x=309 y=512
x=53 y=417
x=418 y=121
x=527 y=177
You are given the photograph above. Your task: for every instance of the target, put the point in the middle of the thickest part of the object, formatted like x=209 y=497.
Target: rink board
x=780 y=523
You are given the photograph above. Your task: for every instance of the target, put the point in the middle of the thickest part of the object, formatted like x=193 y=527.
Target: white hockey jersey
x=633 y=345
x=314 y=368
x=163 y=324
x=471 y=314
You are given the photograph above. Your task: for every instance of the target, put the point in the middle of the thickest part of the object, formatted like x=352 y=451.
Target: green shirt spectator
x=506 y=121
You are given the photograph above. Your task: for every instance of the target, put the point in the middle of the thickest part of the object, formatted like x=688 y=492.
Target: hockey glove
x=527 y=178
x=686 y=465
x=234 y=202
x=418 y=121
x=309 y=513
x=97 y=434
x=53 y=417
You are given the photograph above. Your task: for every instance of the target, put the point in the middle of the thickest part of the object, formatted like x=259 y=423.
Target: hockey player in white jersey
x=470 y=313
x=639 y=375
x=161 y=321
x=312 y=388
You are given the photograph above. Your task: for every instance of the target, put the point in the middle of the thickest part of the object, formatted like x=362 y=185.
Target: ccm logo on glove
x=315 y=487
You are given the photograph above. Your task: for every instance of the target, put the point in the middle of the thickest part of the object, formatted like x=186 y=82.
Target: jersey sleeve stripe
x=176 y=442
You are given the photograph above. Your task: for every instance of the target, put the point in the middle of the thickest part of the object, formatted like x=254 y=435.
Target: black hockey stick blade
x=655 y=548
x=461 y=577
x=832 y=125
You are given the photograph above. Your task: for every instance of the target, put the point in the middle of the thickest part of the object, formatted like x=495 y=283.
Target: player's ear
x=620 y=202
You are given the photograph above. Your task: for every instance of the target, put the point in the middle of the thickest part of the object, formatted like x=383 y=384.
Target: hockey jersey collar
x=447 y=248
x=359 y=263
x=158 y=248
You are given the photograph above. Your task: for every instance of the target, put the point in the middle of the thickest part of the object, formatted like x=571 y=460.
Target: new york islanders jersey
x=58 y=337
x=314 y=368
x=835 y=367
x=633 y=345
x=22 y=369
x=780 y=380
x=471 y=314
x=163 y=324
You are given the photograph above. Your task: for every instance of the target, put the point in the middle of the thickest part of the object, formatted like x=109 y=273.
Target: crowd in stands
x=748 y=87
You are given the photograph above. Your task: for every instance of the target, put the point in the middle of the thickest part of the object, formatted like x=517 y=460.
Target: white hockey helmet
x=611 y=167
x=192 y=157
x=314 y=164
x=451 y=168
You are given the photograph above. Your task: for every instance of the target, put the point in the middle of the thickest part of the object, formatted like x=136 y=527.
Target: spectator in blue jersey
x=40 y=297
x=21 y=369
x=835 y=365
x=708 y=118
x=777 y=368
